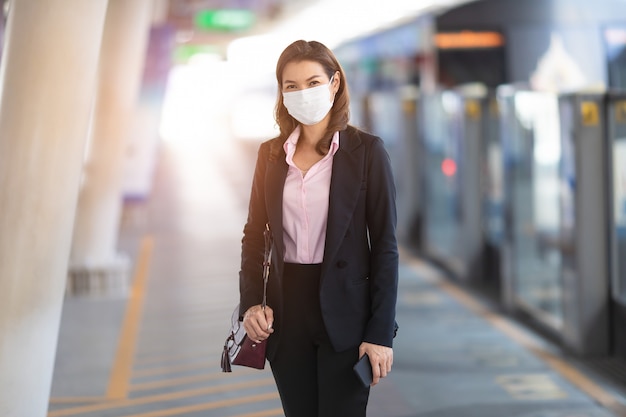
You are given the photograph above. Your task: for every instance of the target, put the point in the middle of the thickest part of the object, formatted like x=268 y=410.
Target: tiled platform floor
x=156 y=353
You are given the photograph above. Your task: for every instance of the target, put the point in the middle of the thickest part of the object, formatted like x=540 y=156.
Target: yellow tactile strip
x=513 y=383
x=123 y=364
x=207 y=389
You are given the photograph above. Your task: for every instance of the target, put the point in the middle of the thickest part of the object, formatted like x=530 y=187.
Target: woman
x=327 y=192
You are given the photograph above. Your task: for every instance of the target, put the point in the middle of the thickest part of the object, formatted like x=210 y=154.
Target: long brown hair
x=340 y=112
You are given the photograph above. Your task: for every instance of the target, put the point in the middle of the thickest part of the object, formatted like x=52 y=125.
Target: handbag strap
x=267 y=259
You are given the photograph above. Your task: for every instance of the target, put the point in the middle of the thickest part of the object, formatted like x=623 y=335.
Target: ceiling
x=329 y=21
x=268 y=13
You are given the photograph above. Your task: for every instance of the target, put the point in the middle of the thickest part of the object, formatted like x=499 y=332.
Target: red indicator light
x=448 y=167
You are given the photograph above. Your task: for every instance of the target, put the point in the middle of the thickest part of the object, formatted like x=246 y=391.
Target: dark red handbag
x=239 y=349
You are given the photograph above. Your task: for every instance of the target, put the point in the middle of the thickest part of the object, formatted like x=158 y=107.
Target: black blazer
x=359 y=277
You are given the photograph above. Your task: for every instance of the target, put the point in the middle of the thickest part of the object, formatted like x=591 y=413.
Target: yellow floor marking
x=148 y=359
x=123 y=364
x=181 y=326
x=561 y=366
x=151 y=350
x=174 y=369
x=161 y=397
x=585 y=384
x=276 y=412
x=186 y=380
x=531 y=386
x=212 y=406
x=189 y=318
x=76 y=400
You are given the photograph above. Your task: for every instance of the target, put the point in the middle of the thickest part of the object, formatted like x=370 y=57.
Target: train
x=505 y=122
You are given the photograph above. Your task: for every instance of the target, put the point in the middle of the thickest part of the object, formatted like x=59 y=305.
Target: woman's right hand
x=258 y=322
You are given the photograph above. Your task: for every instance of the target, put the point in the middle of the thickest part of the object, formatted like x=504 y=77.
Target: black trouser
x=313 y=380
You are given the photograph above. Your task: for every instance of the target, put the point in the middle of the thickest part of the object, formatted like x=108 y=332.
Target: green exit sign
x=225 y=19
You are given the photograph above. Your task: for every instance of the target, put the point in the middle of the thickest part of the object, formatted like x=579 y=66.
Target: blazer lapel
x=347 y=178
x=274 y=184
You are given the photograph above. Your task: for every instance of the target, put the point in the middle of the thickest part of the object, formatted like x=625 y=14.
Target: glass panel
x=535 y=204
x=619 y=194
x=492 y=197
x=493 y=176
x=615 y=49
x=568 y=174
x=386 y=122
x=441 y=143
x=386 y=116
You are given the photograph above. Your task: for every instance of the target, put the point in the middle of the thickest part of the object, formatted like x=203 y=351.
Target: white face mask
x=311 y=105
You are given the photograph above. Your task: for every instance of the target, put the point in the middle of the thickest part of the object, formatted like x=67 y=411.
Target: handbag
x=239 y=349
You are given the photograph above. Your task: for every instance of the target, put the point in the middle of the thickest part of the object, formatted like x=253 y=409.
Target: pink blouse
x=305 y=205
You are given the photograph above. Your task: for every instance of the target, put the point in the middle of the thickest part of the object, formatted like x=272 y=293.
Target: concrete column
x=160 y=11
x=95 y=264
x=142 y=156
x=2 y=15
x=48 y=79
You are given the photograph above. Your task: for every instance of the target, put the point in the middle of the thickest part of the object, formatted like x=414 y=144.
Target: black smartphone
x=363 y=369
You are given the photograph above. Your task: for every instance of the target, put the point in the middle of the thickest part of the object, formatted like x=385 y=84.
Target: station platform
x=155 y=352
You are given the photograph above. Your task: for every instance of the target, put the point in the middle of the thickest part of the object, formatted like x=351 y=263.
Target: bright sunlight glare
x=214 y=102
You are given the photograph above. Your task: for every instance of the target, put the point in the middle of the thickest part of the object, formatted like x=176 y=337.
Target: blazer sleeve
x=253 y=243
x=381 y=223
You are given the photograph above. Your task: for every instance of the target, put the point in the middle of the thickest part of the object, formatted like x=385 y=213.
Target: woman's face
x=307 y=74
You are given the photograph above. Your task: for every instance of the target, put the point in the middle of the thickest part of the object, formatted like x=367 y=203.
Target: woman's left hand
x=381 y=358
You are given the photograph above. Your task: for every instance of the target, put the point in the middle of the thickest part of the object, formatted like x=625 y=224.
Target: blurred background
x=128 y=138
